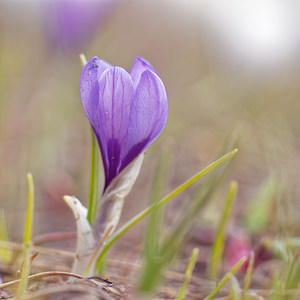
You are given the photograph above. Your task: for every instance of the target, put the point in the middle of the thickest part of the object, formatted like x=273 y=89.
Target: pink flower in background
x=237 y=246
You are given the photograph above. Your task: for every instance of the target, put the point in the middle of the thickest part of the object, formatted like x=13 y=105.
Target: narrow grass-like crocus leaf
x=225 y=279
x=94 y=180
x=94 y=169
x=186 y=224
x=188 y=273
x=170 y=246
x=155 y=220
x=258 y=213
x=277 y=287
x=121 y=231
x=27 y=243
x=218 y=246
x=150 y=273
x=100 y=271
x=235 y=290
x=293 y=278
x=249 y=273
x=202 y=196
x=5 y=254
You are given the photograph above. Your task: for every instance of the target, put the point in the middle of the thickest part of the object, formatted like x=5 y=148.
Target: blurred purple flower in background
x=127 y=111
x=72 y=23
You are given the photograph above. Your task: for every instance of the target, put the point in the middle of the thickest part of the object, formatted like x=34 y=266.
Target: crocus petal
x=148 y=115
x=102 y=66
x=89 y=88
x=115 y=97
x=139 y=66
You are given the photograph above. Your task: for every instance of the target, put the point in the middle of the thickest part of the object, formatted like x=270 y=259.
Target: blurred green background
x=231 y=72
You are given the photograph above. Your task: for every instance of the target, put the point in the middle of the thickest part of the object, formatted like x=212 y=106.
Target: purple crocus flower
x=127 y=111
x=72 y=23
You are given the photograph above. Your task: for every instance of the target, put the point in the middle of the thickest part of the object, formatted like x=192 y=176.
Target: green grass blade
x=94 y=179
x=27 y=243
x=155 y=220
x=277 y=287
x=225 y=279
x=258 y=214
x=202 y=196
x=293 y=278
x=248 y=276
x=188 y=273
x=100 y=271
x=5 y=254
x=151 y=272
x=235 y=290
x=181 y=232
x=218 y=246
x=94 y=170
x=110 y=241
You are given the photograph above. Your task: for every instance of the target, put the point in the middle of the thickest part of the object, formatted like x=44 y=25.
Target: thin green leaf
x=257 y=216
x=248 y=276
x=121 y=231
x=235 y=290
x=218 y=246
x=27 y=243
x=225 y=279
x=151 y=271
x=277 y=288
x=293 y=278
x=186 y=224
x=202 y=196
x=188 y=273
x=102 y=266
x=5 y=254
x=155 y=219
x=94 y=179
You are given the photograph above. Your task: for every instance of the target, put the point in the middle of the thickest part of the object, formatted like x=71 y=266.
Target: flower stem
x=94 y=172
x=94 y=180
x=27 y=243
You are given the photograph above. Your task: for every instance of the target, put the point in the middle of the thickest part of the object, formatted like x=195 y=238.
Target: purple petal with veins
x=127 y=111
